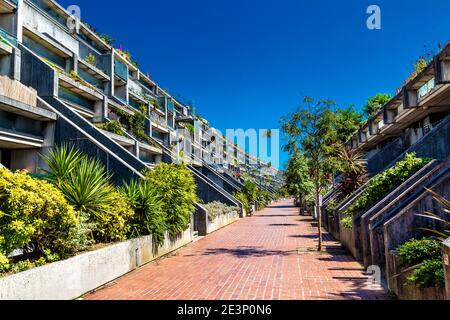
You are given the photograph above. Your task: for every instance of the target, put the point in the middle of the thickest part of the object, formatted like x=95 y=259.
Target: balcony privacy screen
x=16 y=123
x=75 y=98
x=120 y=70
x=170 y=106
x=8 y=37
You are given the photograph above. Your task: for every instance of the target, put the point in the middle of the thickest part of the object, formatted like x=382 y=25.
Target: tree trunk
x=301 y=205
x=319 y=217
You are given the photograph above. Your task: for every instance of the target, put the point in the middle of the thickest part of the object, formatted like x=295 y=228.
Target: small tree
x=298 y=182
x=311 y=129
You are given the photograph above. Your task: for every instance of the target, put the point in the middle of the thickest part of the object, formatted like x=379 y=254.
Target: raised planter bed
x=405 y=290
x=71 y=278
x=221 y=221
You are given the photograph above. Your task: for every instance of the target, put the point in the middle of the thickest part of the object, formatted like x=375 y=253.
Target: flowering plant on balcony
x=125 y=54
x=90 y=58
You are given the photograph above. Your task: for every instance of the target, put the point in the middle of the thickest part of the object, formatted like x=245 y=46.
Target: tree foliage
x=33 y=216
x=297 y=179
x=375 y=103
x=177 y=190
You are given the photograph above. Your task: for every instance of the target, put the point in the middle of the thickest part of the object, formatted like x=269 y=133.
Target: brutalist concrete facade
x=84 y=83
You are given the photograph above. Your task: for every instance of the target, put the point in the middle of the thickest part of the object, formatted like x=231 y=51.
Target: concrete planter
x=78 y=275
x=403 y=289
x=446 y=260
x=222 y=221
x=347 y=238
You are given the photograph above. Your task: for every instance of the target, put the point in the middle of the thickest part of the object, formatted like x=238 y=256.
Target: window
x=426 y=88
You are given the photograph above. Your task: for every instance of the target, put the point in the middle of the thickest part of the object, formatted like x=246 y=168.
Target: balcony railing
x=158 y=119
x=20 y=124
x=8 y=37
x=426 y=88
x=120 y=70
x=147 y=86
x=170 y=106
x=137 y=89
x=75 y=98
x=147 y=157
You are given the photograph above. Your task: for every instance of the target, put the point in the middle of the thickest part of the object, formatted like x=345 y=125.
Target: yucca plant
x=353 y=166
x=83 y=180
x=61 y=162
x=444 y=233
x=87 y=187
x=149 y=218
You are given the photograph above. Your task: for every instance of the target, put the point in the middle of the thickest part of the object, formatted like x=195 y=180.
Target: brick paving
x=266 y=257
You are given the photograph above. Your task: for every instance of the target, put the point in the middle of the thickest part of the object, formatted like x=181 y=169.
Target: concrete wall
x=76 y=276
x=446 y=259
x=221 y=180
x=35 y=20
x=221 y=221
x=203 y=225
x=347 y=238
x=403 y=289
x=406 y=225
x=392 y=200
x=434 y=145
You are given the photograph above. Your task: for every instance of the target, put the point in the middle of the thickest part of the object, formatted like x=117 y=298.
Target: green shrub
x=430 y=274
x=263 y=199
x=386 y=181
x=177 y=190
x=243 y=199
x=250 y=190
x=113 y=222
x=216 y=209
x=148 y=218
x=85 y=184
x=34 y=214
x=416 y=251
x=113 y=126
x=347 y=222
x=25 y=265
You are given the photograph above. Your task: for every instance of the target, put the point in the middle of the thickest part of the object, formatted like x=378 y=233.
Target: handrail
x=433 y=132
x=408 y=200
x=415 y=179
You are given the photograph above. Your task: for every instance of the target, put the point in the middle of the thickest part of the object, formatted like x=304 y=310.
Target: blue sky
x=246 y=63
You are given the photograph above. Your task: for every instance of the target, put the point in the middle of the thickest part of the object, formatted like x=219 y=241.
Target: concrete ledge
x=76 y=276
x=221 y=221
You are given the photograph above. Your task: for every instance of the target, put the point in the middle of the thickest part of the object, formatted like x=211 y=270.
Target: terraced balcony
x=24 y=124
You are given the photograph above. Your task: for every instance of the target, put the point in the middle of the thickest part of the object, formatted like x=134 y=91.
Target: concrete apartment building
x=61 y=85
x=416 y=120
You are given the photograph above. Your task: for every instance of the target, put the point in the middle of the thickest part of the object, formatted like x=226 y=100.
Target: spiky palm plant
x=444 y=232
x=353 y=166
x=61 y=161
x=149 y=217
x=87 y=187
x=83 y=181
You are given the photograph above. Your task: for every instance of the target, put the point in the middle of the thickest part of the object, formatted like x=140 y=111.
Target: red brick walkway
x=262 y=257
